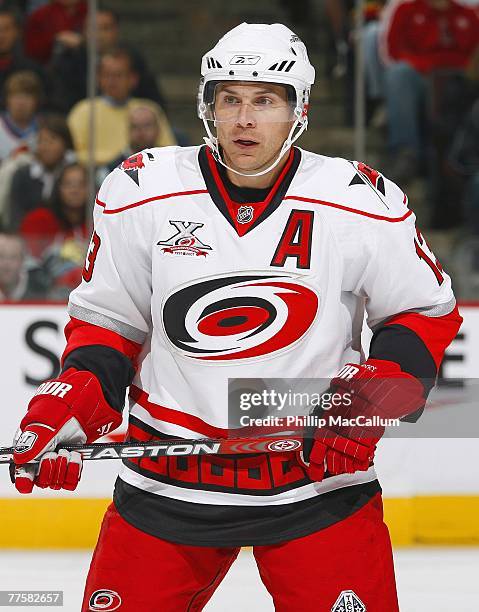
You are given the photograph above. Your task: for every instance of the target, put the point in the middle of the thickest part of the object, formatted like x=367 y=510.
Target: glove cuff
x=380 y=387
x=74 y=393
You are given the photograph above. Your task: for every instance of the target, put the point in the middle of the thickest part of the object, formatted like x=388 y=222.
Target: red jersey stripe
x=436 y=332
x=289 y=197
x=79 y=333
x=176 y=417
x=148 y=200
x=352 y=210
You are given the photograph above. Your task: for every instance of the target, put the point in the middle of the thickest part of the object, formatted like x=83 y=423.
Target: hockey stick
x=172 y=447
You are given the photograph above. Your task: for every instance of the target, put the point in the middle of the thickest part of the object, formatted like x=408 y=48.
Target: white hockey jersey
x=217 y=290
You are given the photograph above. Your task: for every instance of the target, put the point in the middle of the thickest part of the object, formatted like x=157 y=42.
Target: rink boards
x=429 y=497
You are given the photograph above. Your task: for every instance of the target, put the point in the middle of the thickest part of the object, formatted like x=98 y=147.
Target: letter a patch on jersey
x=296 y=240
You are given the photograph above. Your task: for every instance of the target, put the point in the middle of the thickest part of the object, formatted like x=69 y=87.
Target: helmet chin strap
x=212 y=142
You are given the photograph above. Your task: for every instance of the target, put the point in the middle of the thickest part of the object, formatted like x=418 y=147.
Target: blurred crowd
x=421 y=62
x=422 y=86
x=45 y=131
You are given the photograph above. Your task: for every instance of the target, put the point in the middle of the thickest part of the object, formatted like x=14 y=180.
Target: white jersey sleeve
x=115 y=292
x=388 y=262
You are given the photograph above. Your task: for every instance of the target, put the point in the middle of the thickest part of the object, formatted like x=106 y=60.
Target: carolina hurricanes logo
x=104 y=600
x=373 y=176
x=239 y=317
x=134 y=163
x=368 y=176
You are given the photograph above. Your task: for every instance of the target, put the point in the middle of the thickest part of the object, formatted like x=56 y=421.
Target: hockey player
x=243 y=258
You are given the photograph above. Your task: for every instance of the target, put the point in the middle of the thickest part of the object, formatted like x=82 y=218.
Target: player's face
x=252 y=122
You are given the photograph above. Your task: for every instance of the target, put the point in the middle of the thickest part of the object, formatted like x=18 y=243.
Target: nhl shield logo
x=348 y=601
x=245 y=214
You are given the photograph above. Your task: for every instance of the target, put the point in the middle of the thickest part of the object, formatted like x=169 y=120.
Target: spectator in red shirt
x=421 y=37
x=33 y=180
x=58 y=236
x=58 y=23
x=64 y=218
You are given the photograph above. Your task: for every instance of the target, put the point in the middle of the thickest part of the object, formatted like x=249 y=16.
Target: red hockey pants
x=132 y=571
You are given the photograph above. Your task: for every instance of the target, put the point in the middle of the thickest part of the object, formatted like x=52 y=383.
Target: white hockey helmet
x=262 y=53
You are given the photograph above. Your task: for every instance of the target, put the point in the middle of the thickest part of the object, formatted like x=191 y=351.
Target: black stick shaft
x=172 y=447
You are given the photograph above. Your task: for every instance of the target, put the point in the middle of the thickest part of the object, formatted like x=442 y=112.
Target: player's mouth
x=245 y=143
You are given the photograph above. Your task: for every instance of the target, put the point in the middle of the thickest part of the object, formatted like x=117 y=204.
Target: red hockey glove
x=376 y=388
x=70 y=409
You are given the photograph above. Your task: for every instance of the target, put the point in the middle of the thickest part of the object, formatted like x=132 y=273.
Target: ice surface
x=429 y=579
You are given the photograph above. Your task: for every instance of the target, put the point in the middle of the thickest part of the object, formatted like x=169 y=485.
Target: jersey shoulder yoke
x=151 y=174
x=352 y=187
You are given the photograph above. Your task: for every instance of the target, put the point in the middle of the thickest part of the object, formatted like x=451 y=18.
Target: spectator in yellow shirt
x=143 y=130
x=116 y=81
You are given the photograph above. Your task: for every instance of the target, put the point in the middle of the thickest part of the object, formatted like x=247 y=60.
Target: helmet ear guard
x=258 y=53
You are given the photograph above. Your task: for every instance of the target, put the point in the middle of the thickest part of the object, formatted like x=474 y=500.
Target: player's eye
x=263 y=101
x=231 y=100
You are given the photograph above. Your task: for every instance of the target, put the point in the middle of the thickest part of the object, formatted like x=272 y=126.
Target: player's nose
x=245 y=117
